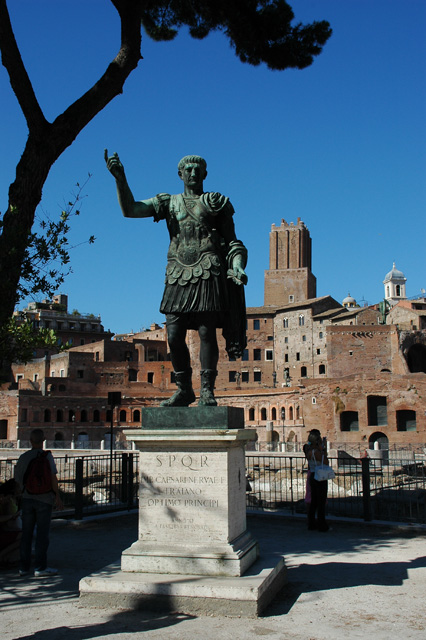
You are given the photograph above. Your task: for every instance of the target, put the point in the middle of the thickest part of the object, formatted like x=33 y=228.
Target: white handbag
x=323 y=472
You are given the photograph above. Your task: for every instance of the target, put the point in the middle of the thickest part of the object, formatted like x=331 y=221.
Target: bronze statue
x=204 y=275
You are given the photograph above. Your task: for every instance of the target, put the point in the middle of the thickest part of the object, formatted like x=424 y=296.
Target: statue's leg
x=184 y=396
x=179 y=353
x=209 y=355
x=209 y=351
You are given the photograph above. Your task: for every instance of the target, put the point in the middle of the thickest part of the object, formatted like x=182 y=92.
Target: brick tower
x=289 y=278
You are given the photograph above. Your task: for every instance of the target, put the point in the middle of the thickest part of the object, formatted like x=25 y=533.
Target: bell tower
x=394 y=286
x=289 y=277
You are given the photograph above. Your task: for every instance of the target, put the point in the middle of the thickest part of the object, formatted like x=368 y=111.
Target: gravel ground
x=355 y=580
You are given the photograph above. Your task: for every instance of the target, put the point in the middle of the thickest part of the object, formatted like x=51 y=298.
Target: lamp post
x=73 y=431
x=114 y=400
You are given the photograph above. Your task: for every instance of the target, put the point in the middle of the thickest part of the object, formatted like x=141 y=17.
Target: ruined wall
x=325 y=404
x=371 y=349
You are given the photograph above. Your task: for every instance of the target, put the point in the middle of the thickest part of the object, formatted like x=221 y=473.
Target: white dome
x=349 y=301
x=395 y=274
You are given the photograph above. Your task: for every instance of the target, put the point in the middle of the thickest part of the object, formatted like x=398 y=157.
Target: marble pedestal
x=193 y=545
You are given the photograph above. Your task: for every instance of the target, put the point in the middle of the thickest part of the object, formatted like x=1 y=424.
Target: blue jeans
x=35 y=513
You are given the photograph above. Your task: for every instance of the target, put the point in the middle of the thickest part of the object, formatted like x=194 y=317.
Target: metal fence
x=66 y=445
x=356 y=449
x=382 y=489
x=92 y=484
x=388 y=488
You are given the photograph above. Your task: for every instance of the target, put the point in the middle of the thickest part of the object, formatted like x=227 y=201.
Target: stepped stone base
x=246 y=595
x=231 y=559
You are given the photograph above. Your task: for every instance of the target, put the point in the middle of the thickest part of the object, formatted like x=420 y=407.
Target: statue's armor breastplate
x=194 y=244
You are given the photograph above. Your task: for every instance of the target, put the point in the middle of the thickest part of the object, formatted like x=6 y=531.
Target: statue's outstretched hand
x=114 y=165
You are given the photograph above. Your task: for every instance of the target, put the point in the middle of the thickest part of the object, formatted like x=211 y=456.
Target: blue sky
x=342 y=145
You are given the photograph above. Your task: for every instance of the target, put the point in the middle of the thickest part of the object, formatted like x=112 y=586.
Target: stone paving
x=356 y=580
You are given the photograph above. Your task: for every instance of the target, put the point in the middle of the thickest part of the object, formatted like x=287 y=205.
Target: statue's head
x=192 y=160
x=193 y=171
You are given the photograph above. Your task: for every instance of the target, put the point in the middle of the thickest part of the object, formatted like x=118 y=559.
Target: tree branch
x=68 y=125
x=19 y=80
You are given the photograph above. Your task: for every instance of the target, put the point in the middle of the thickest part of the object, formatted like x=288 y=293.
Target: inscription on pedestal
x=185 y=494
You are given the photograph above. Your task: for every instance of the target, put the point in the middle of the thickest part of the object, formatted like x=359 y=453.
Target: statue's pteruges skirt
x=222 y=298
x=204 y=295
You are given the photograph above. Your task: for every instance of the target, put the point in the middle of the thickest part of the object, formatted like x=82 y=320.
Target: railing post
x=130 y=481
x=79 y=488
x=366 y=501
x=124 y=476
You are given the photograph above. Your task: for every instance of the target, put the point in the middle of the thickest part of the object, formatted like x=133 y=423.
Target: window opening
x=349 y=421
x=377 y=410
x=406 y=420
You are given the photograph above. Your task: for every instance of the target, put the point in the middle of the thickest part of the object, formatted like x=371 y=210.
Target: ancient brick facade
x=353 y=349
x=309 y=363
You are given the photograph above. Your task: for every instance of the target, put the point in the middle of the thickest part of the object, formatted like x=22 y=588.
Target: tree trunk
x=47 y=141
x=24 y=197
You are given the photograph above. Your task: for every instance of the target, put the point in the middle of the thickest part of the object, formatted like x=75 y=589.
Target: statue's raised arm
x=129 y=206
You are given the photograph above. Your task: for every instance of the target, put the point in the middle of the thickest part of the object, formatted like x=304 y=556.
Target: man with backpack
x=36 y=472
